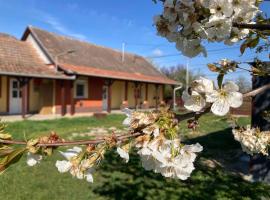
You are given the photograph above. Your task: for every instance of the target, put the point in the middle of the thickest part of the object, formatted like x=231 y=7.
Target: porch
x=41 y=98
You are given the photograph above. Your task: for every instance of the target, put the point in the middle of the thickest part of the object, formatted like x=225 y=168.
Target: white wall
x=40 y=52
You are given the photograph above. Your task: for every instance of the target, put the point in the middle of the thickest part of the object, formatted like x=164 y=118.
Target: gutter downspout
x=174 y=96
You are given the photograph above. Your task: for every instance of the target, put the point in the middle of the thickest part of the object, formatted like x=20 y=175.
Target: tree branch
x=123 y=137
x=182 y=117
x=261 y=27
x=257 y=91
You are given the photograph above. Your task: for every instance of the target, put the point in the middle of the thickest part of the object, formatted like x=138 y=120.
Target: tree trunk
x=259 y=164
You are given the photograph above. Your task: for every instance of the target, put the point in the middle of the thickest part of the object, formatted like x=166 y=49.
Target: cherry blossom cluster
x=79 y=162
x=203 y=92
x=157 y=144
x=160 y=148
x=252 y=140
x=188 y=22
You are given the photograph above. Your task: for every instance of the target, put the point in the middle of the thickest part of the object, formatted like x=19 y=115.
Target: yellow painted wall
x=131 y=98
x=45 y=100
x=118 y=92
x=160 y=92
x=34 y=95
x=3 y=99
x=141 y=100
x=151 y=95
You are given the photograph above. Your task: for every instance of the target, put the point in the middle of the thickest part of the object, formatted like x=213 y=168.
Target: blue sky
x=110 y=23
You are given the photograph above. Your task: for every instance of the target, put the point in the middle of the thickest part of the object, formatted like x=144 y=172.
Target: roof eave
x=124 y=79
x=37 y=76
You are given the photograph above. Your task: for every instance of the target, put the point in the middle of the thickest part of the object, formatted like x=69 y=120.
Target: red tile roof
x=92 y=71
x=19 y=58
x=93 y=60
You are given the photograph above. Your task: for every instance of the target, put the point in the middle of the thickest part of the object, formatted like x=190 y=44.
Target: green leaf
x=11 y=158
x=220 y=80
x=254 y=42
x=243 y=47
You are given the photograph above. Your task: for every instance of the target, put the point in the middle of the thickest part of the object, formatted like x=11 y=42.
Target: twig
x=261 y=27
x=70 y=143
x=182 y=117
x=257 y=91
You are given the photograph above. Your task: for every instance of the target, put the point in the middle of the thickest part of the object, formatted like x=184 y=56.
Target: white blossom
x=63 y=166
x=221 y=7
x=203 y=85
x=195 y=102
x=123 y=154
x=252 y=140
x=188 y=22
x=128 y=113
x=33 y=159
x=80 y=169
x=169 y=159
x=224 y=98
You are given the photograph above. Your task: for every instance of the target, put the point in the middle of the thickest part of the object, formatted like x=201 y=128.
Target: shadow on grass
x=131 y=181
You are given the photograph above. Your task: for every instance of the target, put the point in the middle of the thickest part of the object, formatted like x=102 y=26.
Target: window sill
x=80 y=98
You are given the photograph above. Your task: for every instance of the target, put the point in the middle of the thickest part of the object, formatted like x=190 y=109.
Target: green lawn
x=117 y=180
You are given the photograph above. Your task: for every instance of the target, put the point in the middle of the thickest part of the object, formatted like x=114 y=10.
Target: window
x=81 y=89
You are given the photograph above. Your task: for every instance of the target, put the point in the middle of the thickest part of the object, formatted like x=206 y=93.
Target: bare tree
x=243 y=83
x=177 y=73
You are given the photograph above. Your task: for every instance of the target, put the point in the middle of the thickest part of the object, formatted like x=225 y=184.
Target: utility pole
x=187 y=74
x=123 y=52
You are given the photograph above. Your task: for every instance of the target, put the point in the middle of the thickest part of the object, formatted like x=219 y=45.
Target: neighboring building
x=51 y=74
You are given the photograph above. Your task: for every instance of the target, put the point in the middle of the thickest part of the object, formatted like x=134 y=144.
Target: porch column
x=23 y=86
x=146 y=92
x=125 y=101
x=162 y=94
x=72 y=102
x=145 y=102
x=126 y=90
x=63 y=94
x=157 y=96
x=136 y=94
x=109 y=107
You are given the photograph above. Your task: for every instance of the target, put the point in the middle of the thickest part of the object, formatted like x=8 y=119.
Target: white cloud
x=56 y=24
x=157 y=52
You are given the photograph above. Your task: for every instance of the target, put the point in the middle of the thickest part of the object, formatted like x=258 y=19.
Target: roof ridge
x=85 y=42
x=6 y=35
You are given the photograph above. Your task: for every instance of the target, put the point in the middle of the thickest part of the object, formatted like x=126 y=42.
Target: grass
x=62 y=127
x=117 y=180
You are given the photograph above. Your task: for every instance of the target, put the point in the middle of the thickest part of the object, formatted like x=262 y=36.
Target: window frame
x=85 y=91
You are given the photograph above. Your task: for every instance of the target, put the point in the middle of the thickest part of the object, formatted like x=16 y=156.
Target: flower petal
x=195 y=103
x=212 y=97
x=220 y=107
x=71 y=152
x=230 y=87
x=63 y=166
x=204 y=85
x=123 y=154
x=235 y=99
x=127 y=121
x=193 y=148
x=33 y=159
x=89 y=178
x=156 y=132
